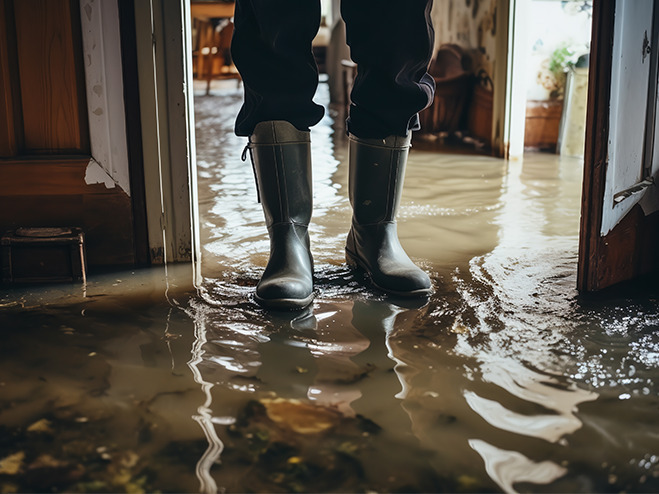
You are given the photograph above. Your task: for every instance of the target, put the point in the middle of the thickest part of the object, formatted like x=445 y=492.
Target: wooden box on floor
x=42 y=255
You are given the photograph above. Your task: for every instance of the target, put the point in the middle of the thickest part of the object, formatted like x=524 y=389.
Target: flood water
x=506 y=380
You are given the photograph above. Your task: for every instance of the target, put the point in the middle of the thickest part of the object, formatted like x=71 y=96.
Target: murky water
x=505 y=380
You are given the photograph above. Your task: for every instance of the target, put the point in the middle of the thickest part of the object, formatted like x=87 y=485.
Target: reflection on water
x=505 y=380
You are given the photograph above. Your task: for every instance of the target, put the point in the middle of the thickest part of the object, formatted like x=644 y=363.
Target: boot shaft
x=375 y=183
x=281 y=156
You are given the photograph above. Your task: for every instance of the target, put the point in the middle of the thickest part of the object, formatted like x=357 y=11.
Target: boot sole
x=284 y=303
x=355 y=264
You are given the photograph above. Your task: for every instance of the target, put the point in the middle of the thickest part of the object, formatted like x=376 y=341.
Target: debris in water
x=299 y=446
x=468 y=483
x=12 y=464
x=47 y=472
x=357 y=375
x=300 y=417
x=42 y=425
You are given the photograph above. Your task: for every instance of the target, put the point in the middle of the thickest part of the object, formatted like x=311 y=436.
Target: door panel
x=650 y=200
x=51 y=77
x=9 y=125
x=45 y=156
x=52 y=177
x=630 y=82
x=42 y=102
x=619 y=240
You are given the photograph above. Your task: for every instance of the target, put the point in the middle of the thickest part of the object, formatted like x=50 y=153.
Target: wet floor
x=506 y=380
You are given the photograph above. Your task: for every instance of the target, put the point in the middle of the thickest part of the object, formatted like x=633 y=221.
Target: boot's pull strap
x=243 y=157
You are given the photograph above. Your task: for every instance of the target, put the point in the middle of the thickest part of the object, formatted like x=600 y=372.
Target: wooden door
x=44 y=133
x=619 y=238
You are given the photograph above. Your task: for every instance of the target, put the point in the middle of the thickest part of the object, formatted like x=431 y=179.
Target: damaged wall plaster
x=95 y=174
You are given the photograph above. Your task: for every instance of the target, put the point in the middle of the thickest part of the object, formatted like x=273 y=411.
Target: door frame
x=163 y=41
x=166 y=101
x=509 y=80
x=104 y=85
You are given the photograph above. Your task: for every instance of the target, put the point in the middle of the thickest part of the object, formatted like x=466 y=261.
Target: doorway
x=594 y=90
x=557 y=78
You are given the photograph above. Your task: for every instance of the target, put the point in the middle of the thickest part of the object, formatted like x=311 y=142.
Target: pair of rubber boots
x=281 y=156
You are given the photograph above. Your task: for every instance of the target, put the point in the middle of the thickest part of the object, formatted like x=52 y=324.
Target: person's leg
x=281 y=156
x=392 y=45
x=271 y=48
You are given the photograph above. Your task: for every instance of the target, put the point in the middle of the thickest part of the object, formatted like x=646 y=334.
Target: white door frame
x=101 y=44
x=510 y=79
x=165 y=85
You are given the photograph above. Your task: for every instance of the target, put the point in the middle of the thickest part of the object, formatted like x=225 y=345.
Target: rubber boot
x=281 y=156
x=375 y=183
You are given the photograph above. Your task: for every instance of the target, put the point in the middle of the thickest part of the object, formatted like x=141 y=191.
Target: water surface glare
x=505 y=380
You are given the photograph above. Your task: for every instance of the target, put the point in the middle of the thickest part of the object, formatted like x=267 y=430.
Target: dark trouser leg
x=271 y=48
x=391 y=42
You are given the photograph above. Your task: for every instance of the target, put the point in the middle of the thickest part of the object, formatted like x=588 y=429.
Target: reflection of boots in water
x=377 y=170
x=381 y=401
x=281 y=156
x=337 y=380
x=287 y=369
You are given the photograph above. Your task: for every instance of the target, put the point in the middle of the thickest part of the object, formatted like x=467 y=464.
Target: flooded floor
x=506 y=380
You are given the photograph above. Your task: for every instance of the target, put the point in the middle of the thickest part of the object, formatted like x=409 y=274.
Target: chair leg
x=209 y=72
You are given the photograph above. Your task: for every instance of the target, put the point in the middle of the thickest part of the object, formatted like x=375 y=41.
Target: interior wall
x=470 y=24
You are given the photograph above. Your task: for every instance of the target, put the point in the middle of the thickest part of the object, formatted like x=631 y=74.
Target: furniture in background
x=212 y=30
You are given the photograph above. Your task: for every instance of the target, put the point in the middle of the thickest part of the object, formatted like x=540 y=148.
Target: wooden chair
x=219 y=64
x=203 y=32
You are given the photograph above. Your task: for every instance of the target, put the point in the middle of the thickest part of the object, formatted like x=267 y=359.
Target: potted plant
x=543 y=117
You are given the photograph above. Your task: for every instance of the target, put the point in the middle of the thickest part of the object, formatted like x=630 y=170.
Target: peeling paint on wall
x=470 y=24
x=96 y=175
